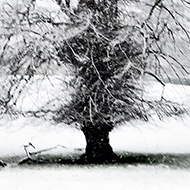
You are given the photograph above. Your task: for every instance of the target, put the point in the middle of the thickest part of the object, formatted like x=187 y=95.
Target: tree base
x=88 y=159
x=98 y=149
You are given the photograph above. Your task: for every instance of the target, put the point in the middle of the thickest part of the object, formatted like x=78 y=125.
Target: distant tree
x=109 y=45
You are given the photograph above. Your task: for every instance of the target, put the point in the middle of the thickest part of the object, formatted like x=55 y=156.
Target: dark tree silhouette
x=109 y=49
x=102 y=95
x=108 y=91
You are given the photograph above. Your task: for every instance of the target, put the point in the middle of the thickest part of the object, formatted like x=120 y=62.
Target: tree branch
x=153 y=7
x=156 y=77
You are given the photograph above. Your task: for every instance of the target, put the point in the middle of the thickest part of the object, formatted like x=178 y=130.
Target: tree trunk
x=98 y=149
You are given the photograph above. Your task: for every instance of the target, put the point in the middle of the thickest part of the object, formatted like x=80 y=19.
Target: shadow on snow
x=124 y=158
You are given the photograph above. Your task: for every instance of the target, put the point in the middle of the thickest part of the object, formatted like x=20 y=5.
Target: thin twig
x=156 y=77
x=153 y=7
x=5 y=46
x=177 y=22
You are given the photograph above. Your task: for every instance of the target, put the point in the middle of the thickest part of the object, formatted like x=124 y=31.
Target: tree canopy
x=109 y=47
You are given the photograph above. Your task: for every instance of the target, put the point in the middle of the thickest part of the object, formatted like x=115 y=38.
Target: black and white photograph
x=94 y=94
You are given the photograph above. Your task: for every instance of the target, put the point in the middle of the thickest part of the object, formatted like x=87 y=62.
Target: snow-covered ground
x=94 y=178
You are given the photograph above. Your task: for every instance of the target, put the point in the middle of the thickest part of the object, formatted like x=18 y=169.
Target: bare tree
x=110 y=45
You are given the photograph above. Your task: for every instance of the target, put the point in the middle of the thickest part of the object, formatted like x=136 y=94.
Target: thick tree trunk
x=98 y=149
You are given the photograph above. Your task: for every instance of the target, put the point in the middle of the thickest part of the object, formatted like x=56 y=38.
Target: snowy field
x=95 y=178
x=171 y=135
